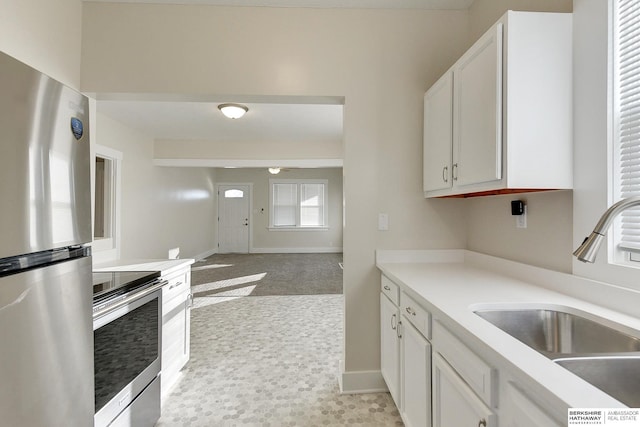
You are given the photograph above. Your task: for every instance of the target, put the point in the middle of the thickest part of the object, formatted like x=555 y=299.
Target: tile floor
x=269 y=361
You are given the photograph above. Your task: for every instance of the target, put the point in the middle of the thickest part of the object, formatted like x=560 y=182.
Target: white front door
x=233 y=218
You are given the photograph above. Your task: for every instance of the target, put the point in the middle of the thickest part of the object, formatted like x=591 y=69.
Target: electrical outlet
x=521 y=220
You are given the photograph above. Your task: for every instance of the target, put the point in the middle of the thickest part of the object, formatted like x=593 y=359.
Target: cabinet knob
x=482 y=423
x=387 y=288
x=411 y=311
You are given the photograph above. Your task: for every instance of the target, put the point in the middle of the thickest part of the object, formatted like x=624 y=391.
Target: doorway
x=234 y=225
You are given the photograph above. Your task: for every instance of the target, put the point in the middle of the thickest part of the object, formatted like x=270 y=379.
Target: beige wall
x=290 y=241
x=254 y=150
x=380 y=61
x=547 y=240
x=44 y=34
x=162 y=207
x=484 y=13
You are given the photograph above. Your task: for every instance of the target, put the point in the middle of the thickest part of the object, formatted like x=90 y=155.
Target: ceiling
x=350 y=4
x=201 y=120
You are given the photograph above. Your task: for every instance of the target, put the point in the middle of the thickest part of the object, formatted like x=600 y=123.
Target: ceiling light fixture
x=233 y=111
x=274 y=171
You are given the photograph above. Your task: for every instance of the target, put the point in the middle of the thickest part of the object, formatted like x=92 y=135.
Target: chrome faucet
x=589 y=248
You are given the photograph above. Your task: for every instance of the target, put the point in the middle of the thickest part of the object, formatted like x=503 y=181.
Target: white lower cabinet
x=522 y=411
x=390 y=346
x=176 y=326
x=454 y=403
x=416 y=377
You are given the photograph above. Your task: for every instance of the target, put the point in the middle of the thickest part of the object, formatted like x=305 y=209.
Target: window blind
x=627 y=114
x=285 y=202
x=311 y=205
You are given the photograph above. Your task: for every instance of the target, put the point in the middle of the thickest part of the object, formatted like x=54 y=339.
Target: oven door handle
x=129 y=299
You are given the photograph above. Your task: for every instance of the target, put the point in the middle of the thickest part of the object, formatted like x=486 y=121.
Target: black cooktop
x=106 y=285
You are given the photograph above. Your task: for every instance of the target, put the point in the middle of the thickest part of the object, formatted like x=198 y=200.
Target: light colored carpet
x=232 y=275
x=270 y=361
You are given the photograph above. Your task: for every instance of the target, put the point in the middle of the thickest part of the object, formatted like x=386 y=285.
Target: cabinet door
x=416 y=377
x=438 y=134
x=520 y=411
x=454 y=404
x=390 y=347
x=477 y=122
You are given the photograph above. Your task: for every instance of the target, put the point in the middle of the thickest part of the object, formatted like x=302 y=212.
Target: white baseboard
x=206 y=254
x=360 y=382
x=321 y=250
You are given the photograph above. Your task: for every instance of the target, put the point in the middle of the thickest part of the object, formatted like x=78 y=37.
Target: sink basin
x=591 y=348
x=559 y=334
x=619 y=377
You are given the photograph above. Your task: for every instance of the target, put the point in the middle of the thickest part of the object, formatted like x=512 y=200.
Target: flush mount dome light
x=233 y=111
x=274 y=171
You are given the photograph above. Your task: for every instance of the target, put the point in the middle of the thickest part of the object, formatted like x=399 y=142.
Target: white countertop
x=452 y=284
x=164 y=266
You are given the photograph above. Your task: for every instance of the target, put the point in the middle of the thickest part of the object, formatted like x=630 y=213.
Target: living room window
x=626 y=125
x=106 y=220
x=297 y=204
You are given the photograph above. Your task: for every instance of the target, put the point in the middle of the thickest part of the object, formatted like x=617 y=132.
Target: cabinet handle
x=393 y=322
x=190 y=297
x=445 y=174
x=175 y=286
x=387 y=288
x=411 y=311
x=454 y=171
x=398 y=331
x=482 y=423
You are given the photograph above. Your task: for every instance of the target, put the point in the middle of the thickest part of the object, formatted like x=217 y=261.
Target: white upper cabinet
x=438 y=112
x=506 y=125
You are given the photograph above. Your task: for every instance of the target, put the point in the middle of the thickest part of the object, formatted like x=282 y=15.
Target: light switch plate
x=383 y=222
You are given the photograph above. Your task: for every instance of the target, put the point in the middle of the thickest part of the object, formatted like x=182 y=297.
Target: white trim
x=109 y=248
x=304 y=250
x=251 y=163
x=298 y=229
x=361 y=382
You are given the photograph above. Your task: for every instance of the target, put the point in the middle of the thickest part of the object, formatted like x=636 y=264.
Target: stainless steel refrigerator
x=46 y=331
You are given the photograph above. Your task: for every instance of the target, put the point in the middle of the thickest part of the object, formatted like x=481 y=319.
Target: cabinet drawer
x=390 y=289
x=418 y=316
x=178 y=285
x=473 y=370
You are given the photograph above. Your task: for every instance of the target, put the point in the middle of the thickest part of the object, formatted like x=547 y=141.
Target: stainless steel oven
x=127 y=327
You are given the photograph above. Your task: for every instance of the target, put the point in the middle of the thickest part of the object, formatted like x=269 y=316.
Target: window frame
x=297 y=226
x=108 y=247
x=618 y=254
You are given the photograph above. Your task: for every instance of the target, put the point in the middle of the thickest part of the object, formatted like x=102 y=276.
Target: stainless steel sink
x=559 y=334
x=619 y=377
x=602 y=355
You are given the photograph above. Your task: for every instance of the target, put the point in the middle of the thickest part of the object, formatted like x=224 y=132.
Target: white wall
x=265 y=240
x=44 y=34
x=547 y=240
x=162 y=207
x=380 y=61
